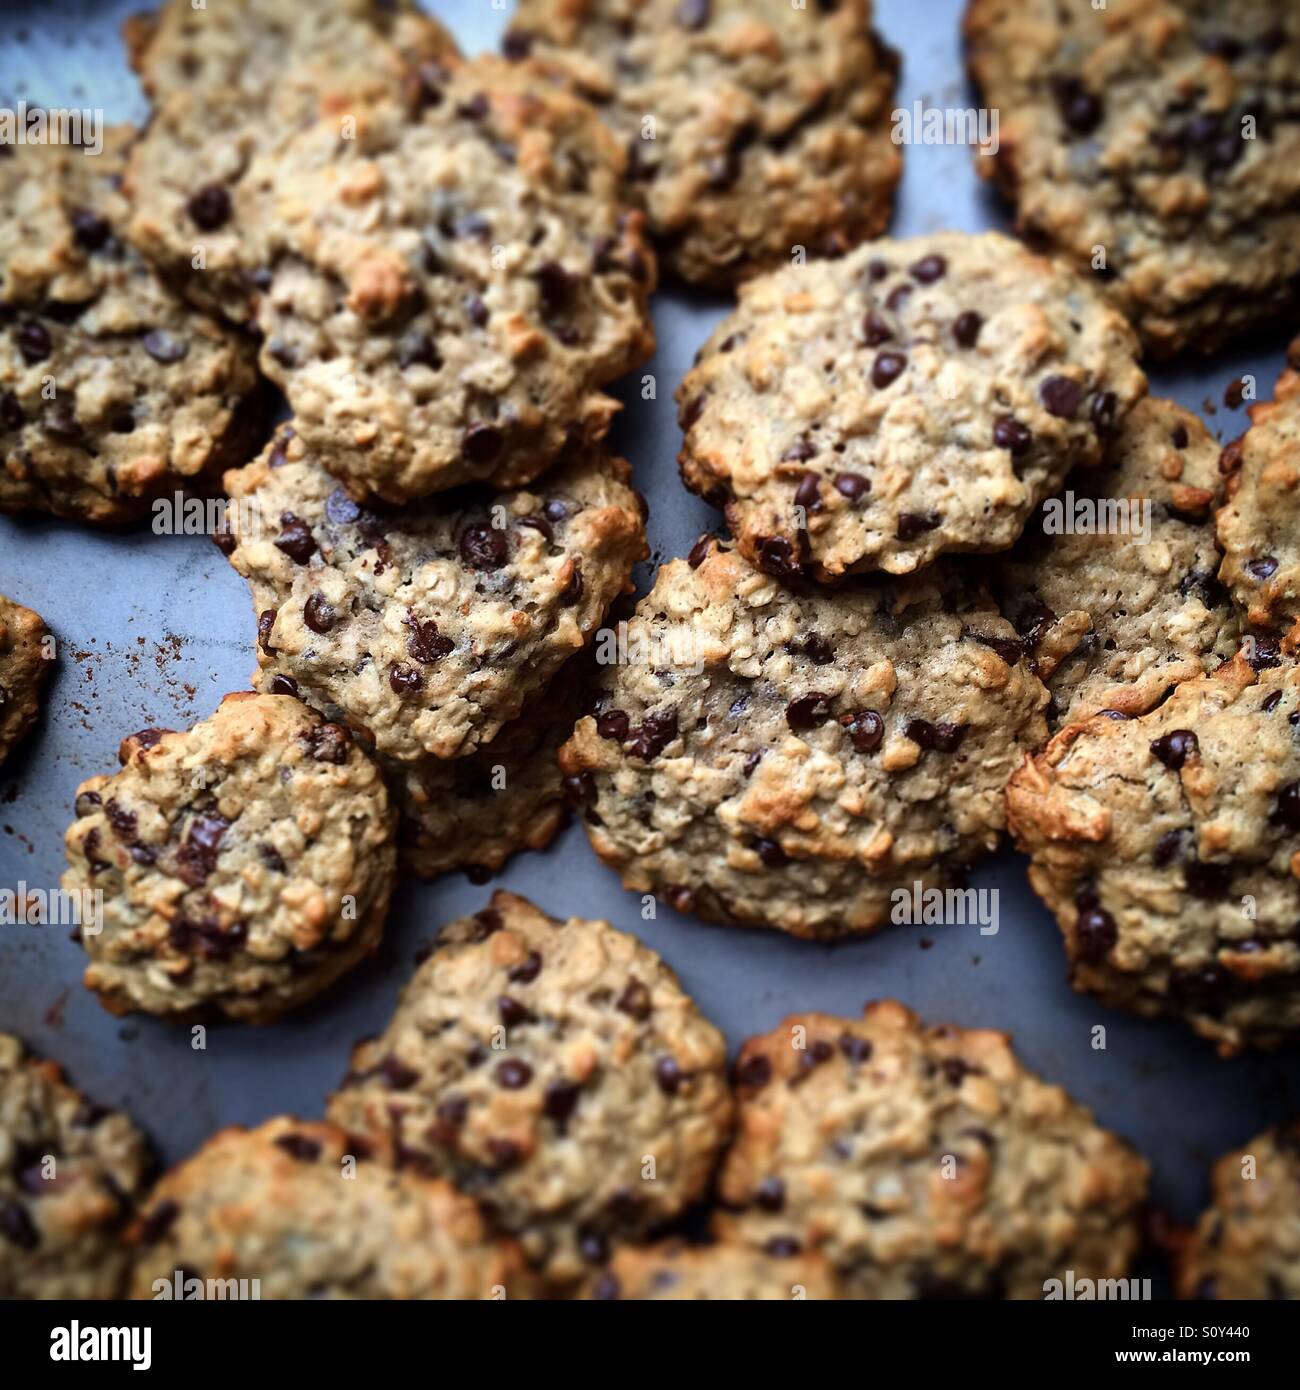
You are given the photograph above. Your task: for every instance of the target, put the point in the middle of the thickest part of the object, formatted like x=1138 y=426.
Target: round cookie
x=717 y=1273
x=753 y=127
x=923 y=1162
x=245 y=865
x=448 y=294
x=298 y=1207
x=557 y=1071
x=794 y=759
x=239 y=79
x=1247 y=1242
x=913 y=398
x=473 y=813
x=1259 y=525
x=1158 y=132
x=1167 y=846
x=23 y=672
x=113 y=391
x=70 y=1175
x=428 y=628
x=1126 y=603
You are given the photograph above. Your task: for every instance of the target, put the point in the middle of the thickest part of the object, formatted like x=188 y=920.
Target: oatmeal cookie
x=752 y=127
x=449 y=294
x=913 y=398
x=113 y=391
x=1247 y=1242
x=301 y=1209
x=923 y=1162
x=23 y=672
x=1167 y=847
x=70 y=1175
x=718 y=1273
x=1126 y=604
x=428 y=628
x=1162 y=133
x=1259 y=527
x=236 y=80
x=557 y=1071
x=245 y=865
x=790 y=758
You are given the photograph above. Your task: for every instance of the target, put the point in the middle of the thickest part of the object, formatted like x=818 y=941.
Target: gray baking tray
x=154 y=630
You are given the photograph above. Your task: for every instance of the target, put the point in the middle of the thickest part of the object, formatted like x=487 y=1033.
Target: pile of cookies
x=442 y=264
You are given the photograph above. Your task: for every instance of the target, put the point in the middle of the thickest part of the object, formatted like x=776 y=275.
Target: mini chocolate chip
x=482 y=444
x=699 y=552
x=852 y=485
x=693 y=14
x=928 y=269
x=405 y=680
x=855 y=1049
x=1173 y=749
x=1081 y=111
x=897 y=297
x=1095 y=932
x=573 y=590
x=1179 y=437
x=512 y=1013
x=782 y=1247
x=1263 y=568
x=776 y=556
x=513 y=1074
x=527 y=970
x=11 y=413
x=559 y=1101
x=158 y=1222
x=1288 y=806
x=16 y=1226
x=517 y=44
x=61 y=421
x=753 y=1072
x=299 y=1146
x=875 y=330
x=913 y=524
x=476 y=108
x=944 y=738
x=295 y=539
x=668 y=1075
x=1061 y=396
x=1010 y=434
x=197 y=856
x=770 y=1194
x=966 y=328
x=34 y=342
x=808 y=712
x=329 y=743
x=483 y=546
x=1167 y=849
x=866 y=730
x=164 y=347
x=417 y=348
x=1104 y=407
x=425 y=643
x=887 y=368
x=635 y=1001
x=771 y=853
x=1006 y=647
x=1207 y=881
x=319 y=613
x=89 y=229
x=657 y=731
x=613 y=724
x=209 y=208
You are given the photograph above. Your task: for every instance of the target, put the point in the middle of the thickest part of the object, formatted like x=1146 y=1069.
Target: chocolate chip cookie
x=557 y=1071
x=719 y=1273
x=1259 y=527
x=1167 y=847
x=113 y=391
x=788 y=758
x=235 y=80
x=753 y=127
x=923 y=1162
x=1247 y=1242
x=913 y=398
x=449 y=293
x=245 y=865
x=428 y=627
x=1156 y=143
x=297 y=1210
x=1113 y=587
x=23 y=672
x=70 y=1175
x=473 y=813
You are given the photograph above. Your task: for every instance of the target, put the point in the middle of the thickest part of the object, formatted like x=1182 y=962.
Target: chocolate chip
x=613 y=724
x=1095 y=932
x=1208 y=881
x=417 y=348
x=1173 y=749
x=1179 y=437
x=866 y=730
x=16 y=1226
x=1081 y=111
x=573 y=590
x=1006 y=647
x=580 y=789
x=559 y=1101
x=295 y=539
x=693 y=14
x=928 y=269
x=512 y=1013
x=1103 y=410
x=1010 y=434
x=966 y=328
x=476 y=108
x=477 y=311
x=913 y=524
x=319 y=613
x=272 y=858
x=517 y=44
x=483 y=546
x=887 y=368
x=944 y=738
x=855 y=1049
x=875 y=330
x=405 y=680
x=897 y=297
x=657 y=731
x=769 y=852
x=852 y=485
x=1264 y=653
x=770 y=1194
x=699 y=552
x=1061 y=396
x=158 y=1222
x=197 y=856
x=782 y=1247
x=527 y=970
x=164 y=347
x=329 y=743
x=299 y=1146
x=513 y=1075
x=808 y=712
x=1287 y=811
x=209 y=208
x=668 y=1075
x=482 y=444
x=753 y=1072
x=1263 y=568
x=33 y=342
x=89 y=229
x=11 y=413
x=61 y=421
x=1168 y=847
x=775 y=555
x=635 y=1001
x=124 y=822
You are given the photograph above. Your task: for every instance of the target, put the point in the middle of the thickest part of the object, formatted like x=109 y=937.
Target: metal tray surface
x=154 y=630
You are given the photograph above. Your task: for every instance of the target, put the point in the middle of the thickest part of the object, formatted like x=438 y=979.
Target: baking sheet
x=154 y=630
